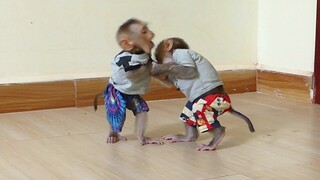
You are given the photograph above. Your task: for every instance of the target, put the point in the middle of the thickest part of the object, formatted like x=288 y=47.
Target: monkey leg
x=115 y=137
x=218 y=136
x=141 y=124
x=191 y=135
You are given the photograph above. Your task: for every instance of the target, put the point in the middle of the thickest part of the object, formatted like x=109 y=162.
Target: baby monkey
x=131 y=77
x=199 y=81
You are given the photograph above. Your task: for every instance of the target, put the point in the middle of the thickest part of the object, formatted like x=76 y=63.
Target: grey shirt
x=207 y=79
x=124 y=62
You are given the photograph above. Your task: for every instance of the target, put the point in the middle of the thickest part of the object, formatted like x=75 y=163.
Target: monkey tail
x=95 y=102
x=242 y=116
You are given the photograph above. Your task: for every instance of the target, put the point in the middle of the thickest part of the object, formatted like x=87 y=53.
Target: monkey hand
x=163 y=80
x=161 y=76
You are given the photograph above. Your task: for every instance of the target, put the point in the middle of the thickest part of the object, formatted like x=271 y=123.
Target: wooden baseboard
x=81 y=92
x=87 y=89
x=284 y=85
x=239 y=81
x=35 y=96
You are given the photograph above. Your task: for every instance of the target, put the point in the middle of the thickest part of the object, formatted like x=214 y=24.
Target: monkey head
x=165 y=48
x=135 y=36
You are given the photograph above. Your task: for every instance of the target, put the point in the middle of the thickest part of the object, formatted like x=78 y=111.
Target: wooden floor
x=70 y=144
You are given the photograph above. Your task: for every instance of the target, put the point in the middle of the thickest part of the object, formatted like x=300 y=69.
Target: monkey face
x=142 y=37
x=162 y=55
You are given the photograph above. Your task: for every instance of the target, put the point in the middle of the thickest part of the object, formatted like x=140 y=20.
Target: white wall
x=48 y=40
x=286 y=35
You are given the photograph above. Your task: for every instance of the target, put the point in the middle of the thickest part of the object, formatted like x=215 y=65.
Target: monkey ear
x=168 y=44
x=126 y=45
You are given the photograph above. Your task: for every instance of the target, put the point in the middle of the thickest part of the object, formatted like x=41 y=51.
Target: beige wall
x=286 y=35
x=48 y=40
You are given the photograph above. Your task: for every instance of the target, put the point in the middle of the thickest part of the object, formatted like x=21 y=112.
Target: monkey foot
x=178 y=138
x=204 y=147
x=171 y=138
x=115 y=137
x=151 y=141
x=220 y=132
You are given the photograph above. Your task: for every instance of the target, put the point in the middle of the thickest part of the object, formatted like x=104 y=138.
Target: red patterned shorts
x=204 y=112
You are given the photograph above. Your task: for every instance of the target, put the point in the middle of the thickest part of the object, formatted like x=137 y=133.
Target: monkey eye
x=145 y=30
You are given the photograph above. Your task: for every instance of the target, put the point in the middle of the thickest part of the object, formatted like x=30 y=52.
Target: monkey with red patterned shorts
x=198 y=80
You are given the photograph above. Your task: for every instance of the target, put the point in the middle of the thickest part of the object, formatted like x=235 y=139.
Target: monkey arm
x=144 y=70
x=178 y=71
x=183 y=72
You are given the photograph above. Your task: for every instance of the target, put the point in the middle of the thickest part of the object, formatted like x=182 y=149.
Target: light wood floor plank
x=69 y=143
